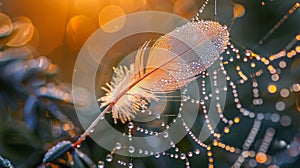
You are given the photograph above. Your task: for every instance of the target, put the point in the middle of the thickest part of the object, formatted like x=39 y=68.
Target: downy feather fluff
x=173 y=61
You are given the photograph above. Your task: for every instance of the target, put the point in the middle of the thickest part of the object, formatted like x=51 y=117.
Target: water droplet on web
x=197 y=151
x=166 y=135
x=118 y=145
x=258 y=91
x=130 y=165
x=157 y=116
x=182 y=156
x=101 y=164
x=190 y=154
x=131 y=149
x=130 y=125
x=109 y=157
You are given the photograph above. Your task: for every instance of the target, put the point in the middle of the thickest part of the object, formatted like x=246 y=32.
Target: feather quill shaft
x=174 y=60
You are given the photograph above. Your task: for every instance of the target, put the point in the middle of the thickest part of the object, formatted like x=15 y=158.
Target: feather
x=174 y=60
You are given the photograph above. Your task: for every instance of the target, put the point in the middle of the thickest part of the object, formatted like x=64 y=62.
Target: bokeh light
x=261 y=157
x=238 y=10
x=185 y=8
x=284 y=93
x=87 y=7
x=269 y=83
x=272 y=88
x=128 y=5
x=24 y=32
x=109 y=13
x=79 y=28
x=5 y=25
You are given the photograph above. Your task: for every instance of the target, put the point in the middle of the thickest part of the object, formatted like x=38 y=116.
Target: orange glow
x=24 y=32
x=87 y=7
x=267 y=62
x=185 y=8
x=261 y=157
x=129 y=5
x=238 y=10
x=226 y=130
x=232 y=149
x=66 y=127
x=272 y=88
x=43 y=90
x=236 y=120
x=215 y=143
x=78 y=29
x=297 y=49
x=6 y=25
x=109 y=13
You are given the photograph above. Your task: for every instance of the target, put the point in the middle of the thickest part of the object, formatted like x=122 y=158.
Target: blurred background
x=61 y=27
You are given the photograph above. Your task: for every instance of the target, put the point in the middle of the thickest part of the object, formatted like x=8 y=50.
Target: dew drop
x=146 y=152
x=166 y=135
x=109 y=157
x=182 y=156
x=130 y=125
x=101 y=164
x=131 y=149
x=118 y=145
x=197 y=151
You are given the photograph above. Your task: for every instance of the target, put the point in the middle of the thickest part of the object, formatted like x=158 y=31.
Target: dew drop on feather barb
x=181 y=59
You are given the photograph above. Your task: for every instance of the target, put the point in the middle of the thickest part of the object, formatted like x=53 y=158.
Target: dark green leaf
x=55 y=92
x=14 y=53
x=77 y=161
x=87 y=160
x=4 y=163
x=56 y=151
x=30 y=114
